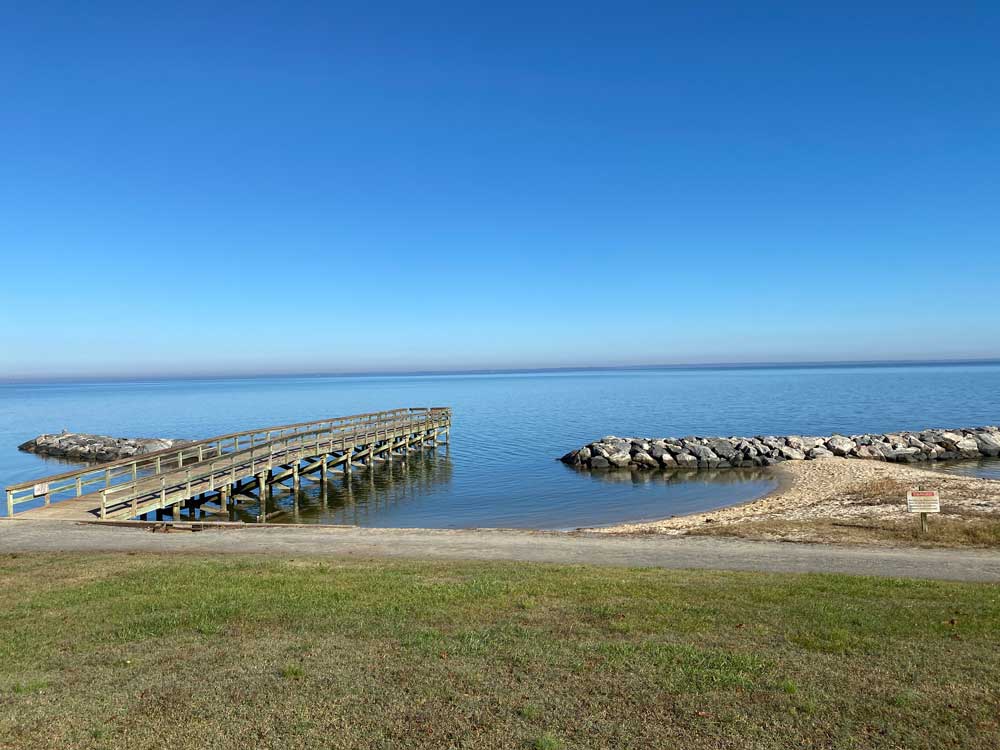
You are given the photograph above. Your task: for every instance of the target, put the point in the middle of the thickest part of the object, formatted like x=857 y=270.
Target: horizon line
x=430 y=372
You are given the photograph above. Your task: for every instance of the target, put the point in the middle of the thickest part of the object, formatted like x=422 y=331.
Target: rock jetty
x=77 y=446
x=613 y=452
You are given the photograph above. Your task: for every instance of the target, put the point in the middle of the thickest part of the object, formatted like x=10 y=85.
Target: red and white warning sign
x=923 y=501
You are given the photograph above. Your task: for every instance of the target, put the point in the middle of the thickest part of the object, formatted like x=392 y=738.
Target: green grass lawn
x=127 y=651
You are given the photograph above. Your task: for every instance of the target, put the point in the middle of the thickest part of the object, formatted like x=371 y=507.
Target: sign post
x=923 y=502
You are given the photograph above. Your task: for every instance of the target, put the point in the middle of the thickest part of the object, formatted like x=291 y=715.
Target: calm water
x=988 y=468
x=500 y=469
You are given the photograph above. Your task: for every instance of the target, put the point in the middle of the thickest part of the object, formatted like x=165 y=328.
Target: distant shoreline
x=807 y=365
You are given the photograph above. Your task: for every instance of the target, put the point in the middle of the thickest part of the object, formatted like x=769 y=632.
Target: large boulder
x=868 y=452
x=619 y=458
x=686 y=460
x=989 y=443
x=968 y=447
x=645 y=460
x=723 y=448
x=792 y=454
x=705 y=455
x=907 y=455
x=840 y=445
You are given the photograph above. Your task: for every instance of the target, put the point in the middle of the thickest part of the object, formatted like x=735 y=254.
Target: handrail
x=212 y=468
x=176 y=457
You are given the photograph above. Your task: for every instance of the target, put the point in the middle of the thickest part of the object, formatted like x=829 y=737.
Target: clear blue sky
x=259 y=187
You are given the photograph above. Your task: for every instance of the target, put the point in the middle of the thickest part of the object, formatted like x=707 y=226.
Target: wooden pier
x=229 y=469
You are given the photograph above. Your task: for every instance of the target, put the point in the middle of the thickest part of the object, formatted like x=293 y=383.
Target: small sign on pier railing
x=42 y=488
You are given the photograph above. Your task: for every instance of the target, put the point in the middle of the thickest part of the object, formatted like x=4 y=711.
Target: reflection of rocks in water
x=668 y=476
x=986 y=468
x=351 y=498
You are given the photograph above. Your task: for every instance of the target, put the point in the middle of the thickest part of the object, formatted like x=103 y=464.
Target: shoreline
x=842 y=493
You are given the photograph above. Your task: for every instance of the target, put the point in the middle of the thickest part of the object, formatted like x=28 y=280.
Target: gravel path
x=17 y=536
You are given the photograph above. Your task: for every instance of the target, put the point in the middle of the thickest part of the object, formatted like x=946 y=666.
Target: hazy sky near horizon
x=265 y=187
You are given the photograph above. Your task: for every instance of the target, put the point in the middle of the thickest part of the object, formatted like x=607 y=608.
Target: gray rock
x=723 y=448
x=908 y=455
x=573 y=457
x=792 y=454
x=619 y=459
x=968 y=447
x=686 y=452
x=989 y=443
x=867 y=451
x=702 y=452
x=92 y=448
x=840 y=446
x=645 y=460
x=686 y=460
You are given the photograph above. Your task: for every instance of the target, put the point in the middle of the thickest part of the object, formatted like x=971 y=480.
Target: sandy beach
x=847 y=500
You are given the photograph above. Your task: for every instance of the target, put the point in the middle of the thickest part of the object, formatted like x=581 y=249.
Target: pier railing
x=212 y=474
x=129 y=472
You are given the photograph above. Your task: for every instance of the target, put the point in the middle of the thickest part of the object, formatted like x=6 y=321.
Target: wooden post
x=104 y=504
x=295 y=475
x=262 y=493
x=923 y=517
x=322 y=470
x=10 y=503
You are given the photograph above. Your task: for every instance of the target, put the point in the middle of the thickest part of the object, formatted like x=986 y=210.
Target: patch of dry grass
x=879 y=491
x=965 y=529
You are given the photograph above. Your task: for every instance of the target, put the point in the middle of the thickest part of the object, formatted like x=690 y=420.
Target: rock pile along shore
x=765 y=450
x=76 y=446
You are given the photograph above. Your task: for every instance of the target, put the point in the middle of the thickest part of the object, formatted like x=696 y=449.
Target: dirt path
x=553 y=547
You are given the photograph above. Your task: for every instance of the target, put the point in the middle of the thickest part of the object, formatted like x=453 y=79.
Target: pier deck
x=228 y=469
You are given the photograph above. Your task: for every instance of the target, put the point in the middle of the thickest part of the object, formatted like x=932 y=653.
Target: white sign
x=41 y=489
x=923 y=501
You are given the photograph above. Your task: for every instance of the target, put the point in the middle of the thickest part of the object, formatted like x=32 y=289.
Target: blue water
x=500 y=468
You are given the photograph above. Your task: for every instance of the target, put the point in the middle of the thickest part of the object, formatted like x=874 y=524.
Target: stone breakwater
x=613 y=452
x=75 y=446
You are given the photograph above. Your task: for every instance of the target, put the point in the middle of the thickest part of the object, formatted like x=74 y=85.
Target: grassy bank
x=144 y=651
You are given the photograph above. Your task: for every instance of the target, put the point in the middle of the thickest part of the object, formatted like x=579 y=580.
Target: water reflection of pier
x=355 y=498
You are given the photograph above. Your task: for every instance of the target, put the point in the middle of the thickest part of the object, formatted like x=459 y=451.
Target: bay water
x=501 y=468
